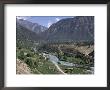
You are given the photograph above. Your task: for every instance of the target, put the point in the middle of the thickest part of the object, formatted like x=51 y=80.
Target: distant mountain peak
x=35 y=27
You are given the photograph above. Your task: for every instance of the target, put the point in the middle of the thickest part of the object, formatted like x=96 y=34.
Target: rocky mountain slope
x=23 y=33
x=35 y=27
x=79 y=28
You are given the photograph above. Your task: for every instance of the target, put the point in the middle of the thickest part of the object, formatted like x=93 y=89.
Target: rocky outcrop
x=22 y=68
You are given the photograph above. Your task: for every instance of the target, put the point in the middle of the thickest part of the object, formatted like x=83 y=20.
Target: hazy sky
x=43 y=20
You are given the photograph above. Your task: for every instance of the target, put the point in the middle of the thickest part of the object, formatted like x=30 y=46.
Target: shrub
x=28 y=61
x=28 y=55
x=21 y=55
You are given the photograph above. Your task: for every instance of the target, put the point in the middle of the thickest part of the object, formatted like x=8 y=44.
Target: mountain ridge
x=35 y=27
x=79 y=28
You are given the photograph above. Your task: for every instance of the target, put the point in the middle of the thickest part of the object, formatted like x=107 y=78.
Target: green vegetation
x=81 y=65
x=36 y=62
x=73 y=70
x=39 y=65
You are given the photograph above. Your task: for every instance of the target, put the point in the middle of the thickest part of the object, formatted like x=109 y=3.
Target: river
x=56 y=60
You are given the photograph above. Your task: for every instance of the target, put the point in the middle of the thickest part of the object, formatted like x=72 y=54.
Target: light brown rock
x=22 y=68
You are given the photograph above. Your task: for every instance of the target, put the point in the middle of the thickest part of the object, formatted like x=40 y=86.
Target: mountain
x=24 y=33
x=26 y=38
x=79 y=28
x=35 y=27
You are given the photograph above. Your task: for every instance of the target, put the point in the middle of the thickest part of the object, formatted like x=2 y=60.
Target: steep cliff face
x=80 y=28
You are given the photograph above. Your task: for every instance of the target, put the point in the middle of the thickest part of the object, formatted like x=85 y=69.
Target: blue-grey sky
x=43 y=20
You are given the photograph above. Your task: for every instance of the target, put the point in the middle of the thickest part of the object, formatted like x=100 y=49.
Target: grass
x=73 y=70
x=72 y=59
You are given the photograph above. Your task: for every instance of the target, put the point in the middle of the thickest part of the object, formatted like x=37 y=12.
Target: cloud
x=57 y=19
x=49 y=24
x=52 y=21
x=23 y=17
x=18 y=17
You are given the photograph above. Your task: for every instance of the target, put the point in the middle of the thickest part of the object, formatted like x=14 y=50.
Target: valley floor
x=55 y=59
